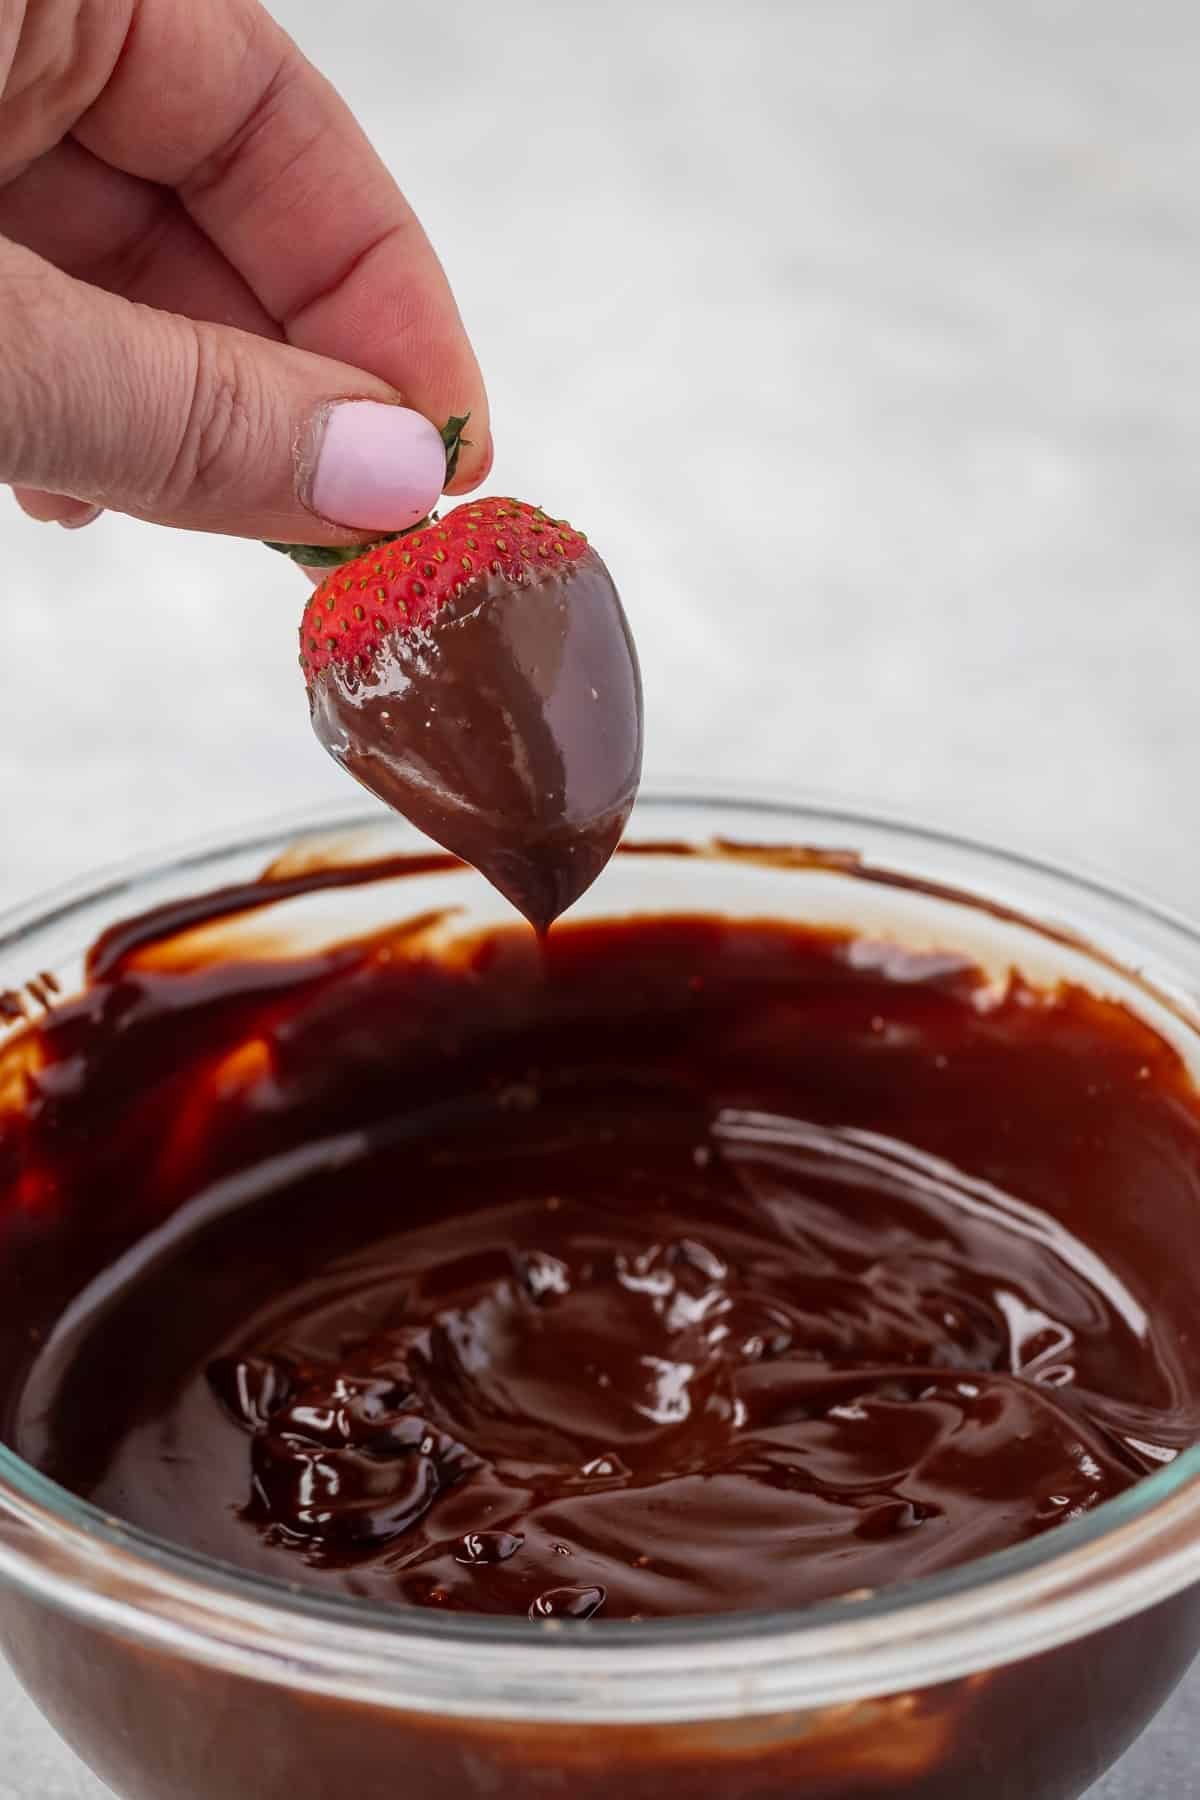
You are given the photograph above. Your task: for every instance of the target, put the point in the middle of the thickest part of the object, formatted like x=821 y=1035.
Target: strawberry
x=477 y=674
x=401 y=585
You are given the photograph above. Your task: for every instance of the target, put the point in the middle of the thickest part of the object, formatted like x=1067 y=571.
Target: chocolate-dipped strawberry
x=477 y=673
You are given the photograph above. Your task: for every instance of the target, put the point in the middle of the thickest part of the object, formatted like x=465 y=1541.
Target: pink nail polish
x=378 y=467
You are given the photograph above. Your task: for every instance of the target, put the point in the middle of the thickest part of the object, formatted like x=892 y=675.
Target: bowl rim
x=1130 y=1553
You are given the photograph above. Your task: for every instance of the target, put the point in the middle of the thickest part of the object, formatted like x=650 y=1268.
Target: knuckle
x=222 y=426
x=28 y=396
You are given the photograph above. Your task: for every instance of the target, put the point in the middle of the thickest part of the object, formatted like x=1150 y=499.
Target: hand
x=203 y=267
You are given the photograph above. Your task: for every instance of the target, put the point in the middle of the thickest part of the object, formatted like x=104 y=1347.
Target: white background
x=864 y=341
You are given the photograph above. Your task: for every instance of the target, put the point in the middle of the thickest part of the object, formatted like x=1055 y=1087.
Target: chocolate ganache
x=666 y=1266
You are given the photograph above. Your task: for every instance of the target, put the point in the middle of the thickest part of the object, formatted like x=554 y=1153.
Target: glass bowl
x=1025 y=1673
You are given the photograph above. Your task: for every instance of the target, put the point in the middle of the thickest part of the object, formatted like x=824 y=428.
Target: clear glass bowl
x=1026 y=1673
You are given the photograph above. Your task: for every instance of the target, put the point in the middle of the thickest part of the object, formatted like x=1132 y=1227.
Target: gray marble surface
x=864 y=339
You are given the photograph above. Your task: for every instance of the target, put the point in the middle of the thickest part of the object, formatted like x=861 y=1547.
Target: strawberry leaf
x=452 y=437
x=321 y=556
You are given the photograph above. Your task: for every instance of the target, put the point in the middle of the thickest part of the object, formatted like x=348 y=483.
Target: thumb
x=199 y=425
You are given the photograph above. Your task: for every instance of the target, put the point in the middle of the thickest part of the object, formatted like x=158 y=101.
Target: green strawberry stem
x=452 y=437
x=332 y=556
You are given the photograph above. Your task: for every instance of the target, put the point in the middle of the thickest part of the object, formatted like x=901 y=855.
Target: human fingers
x=217 y=102
x=195 y=424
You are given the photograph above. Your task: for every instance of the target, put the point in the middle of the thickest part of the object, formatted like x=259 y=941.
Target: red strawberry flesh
x=490 y=694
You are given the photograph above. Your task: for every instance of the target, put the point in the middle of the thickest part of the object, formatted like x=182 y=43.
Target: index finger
x=218 y=102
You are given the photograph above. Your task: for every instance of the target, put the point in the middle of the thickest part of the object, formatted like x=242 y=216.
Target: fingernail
x=77 y=520
x=377 y=467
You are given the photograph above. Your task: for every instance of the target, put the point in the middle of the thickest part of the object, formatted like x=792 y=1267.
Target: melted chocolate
x=671 y=1266
x=510 y=731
